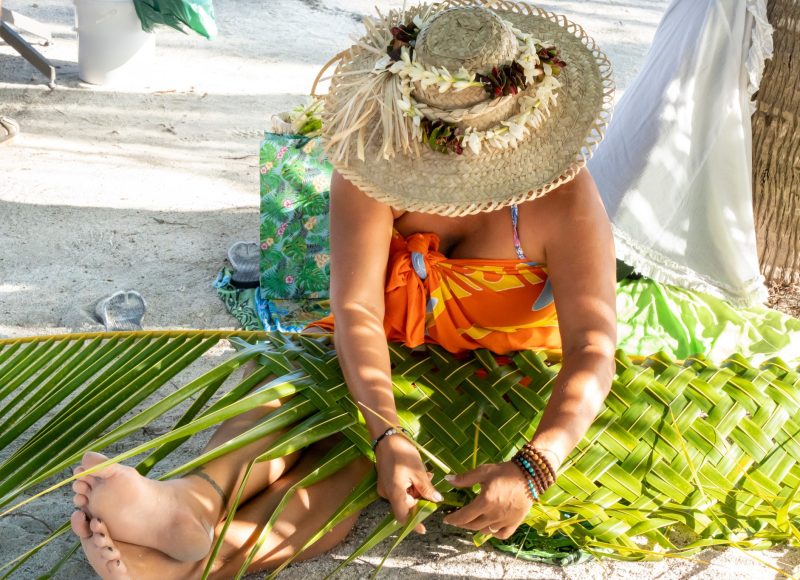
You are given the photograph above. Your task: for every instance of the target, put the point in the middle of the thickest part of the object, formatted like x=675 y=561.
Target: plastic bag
x=183 y=15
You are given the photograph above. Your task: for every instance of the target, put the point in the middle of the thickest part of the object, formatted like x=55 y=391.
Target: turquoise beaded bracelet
x=529 y=477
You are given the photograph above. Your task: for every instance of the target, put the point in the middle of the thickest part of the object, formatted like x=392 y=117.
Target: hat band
x=537 y=64
x=529 y=82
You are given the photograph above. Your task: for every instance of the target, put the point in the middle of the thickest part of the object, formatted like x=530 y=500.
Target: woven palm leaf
x=715 y=449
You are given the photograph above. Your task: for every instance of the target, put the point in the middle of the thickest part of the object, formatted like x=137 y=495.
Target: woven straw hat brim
x=457 y=185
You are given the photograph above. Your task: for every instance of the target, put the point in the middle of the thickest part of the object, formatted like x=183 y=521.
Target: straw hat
x=498 y=142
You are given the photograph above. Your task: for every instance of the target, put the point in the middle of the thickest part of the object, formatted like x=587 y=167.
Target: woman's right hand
x=402 y=478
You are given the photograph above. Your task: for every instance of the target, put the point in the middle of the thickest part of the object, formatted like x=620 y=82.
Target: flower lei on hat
x=537 y=64
x=530 y=78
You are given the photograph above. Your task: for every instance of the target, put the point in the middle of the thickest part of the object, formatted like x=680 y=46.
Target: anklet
x=198 y=471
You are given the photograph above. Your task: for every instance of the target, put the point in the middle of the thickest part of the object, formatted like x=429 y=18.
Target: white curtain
x=675 y=168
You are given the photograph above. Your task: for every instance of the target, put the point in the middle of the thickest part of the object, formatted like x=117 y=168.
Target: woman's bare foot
x=103 y=556
x=120 y=561
x=176 y=517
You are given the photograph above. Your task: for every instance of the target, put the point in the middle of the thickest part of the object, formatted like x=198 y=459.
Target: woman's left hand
x=501 y=505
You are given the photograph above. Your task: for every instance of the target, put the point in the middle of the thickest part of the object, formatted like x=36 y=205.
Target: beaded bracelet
x=533 y=494
x=529 y=448
x=538 y=470
x=531 y=472
x=387 y=433
x=541 y=466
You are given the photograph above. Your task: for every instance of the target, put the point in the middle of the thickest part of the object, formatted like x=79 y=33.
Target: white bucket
x=112 y=47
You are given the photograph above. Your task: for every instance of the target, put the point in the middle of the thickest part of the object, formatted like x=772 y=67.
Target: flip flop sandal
x=121 y=311
x=82 y=319
x=244 y=257
x=9 y=129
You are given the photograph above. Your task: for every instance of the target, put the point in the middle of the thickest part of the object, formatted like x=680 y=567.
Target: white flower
x=463 y=75
x=461 y=85
x=518 y=131
x=498 y=140
x=429 y=79
x=416 y=132
x=444 y=85
x=416 y=73
x=463 y=79
x=473 y=141
x=396 y=68
x=407 y=106
x=382 y=63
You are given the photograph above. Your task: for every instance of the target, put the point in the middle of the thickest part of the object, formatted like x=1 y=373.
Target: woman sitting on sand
x=440 y=232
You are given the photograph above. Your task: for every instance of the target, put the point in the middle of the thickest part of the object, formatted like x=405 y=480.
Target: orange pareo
x=464 y=304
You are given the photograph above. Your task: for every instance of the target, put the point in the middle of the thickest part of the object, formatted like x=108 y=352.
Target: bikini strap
x=515 y=225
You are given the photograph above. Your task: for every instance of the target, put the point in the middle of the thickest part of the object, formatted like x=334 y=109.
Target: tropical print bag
x=295 y=188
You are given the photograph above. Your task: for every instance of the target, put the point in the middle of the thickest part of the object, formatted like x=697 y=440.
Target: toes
x=117 y=570
x=80 y=501
x=92 y=459
x=89 y=480
x=102 y=541
x=80 y=525
x=81 y=487
x=110 y=553
x=98 y=527
x=105 y=559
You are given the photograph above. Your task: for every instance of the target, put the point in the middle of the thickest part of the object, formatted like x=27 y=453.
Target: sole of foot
x=136 y=510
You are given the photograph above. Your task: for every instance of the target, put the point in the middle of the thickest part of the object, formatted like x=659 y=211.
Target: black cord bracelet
x=388 y=432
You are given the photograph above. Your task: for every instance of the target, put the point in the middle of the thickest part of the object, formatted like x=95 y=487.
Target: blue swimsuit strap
x=545 y=298
x=515 y=225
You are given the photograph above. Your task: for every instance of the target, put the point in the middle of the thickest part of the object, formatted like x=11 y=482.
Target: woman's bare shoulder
x=577 y=199
x=347 y=192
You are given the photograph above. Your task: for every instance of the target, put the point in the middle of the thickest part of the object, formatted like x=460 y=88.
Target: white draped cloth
x=675 y=169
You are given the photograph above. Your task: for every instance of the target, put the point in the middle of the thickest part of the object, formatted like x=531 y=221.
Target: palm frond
x=714 y=448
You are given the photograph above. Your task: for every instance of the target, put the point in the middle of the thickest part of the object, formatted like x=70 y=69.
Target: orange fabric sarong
x=464 y=304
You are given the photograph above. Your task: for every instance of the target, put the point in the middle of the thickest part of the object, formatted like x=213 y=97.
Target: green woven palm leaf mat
x=710 y=449
x=716 y=449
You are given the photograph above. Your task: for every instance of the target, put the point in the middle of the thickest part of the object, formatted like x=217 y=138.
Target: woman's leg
x=178 y=516
x=304 y=514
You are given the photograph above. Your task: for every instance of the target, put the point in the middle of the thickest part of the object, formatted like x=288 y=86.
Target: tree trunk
x=776 y=149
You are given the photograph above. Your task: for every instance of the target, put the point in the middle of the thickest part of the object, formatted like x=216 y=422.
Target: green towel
x=654 y=317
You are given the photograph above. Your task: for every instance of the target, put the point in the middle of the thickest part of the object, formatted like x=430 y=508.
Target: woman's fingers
x=504 y=533
x=469 y=478
x=401 y=503
x=482 y=522
x=426 y=490
x=469 y=513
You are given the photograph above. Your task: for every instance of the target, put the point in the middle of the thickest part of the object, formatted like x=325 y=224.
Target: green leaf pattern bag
x=295 y=190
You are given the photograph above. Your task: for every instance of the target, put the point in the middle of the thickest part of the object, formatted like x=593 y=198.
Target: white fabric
x=675 y=167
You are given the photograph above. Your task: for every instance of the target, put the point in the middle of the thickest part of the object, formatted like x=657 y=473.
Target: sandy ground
x=147 y=186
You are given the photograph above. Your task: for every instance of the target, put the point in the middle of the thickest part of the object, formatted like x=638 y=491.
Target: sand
x=147 y=186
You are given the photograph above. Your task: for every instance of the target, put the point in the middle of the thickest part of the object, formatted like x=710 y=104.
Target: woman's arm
x=360 y=233
x=582 y=269
x=580 y=259
x=361 y=230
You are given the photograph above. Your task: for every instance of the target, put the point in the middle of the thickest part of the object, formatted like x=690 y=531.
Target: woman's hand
x=402 y=478
x=502 y=504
